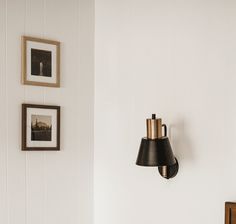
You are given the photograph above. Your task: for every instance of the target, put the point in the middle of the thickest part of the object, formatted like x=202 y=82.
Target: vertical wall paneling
x=3 y=144
x=47 y=187
x=15 y=93
x=86 y=119
x=34 y=22
x=60 y=24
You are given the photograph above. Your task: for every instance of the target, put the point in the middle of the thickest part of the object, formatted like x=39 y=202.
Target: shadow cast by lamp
x=179 y=137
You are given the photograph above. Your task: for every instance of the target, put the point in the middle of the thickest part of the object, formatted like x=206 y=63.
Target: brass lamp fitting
x=154 y=127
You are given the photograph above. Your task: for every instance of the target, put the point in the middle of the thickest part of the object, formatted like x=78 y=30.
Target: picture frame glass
x=41 y=127
x=41 y=62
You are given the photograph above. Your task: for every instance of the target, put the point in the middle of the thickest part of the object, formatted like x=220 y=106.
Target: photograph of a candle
x=40 y=62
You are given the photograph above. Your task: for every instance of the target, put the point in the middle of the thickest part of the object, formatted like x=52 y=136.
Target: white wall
x=47 y=187
x=175 y=58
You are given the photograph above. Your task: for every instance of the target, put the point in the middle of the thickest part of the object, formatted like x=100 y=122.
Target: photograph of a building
x=41 y=128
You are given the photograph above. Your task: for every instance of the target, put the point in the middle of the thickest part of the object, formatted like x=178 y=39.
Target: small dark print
x=41 y=62
x=41 y=128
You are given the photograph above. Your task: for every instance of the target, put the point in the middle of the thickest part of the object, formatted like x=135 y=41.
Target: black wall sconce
x=155 y=149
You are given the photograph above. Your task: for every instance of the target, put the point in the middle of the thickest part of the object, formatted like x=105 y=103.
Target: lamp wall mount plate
x=169 y=171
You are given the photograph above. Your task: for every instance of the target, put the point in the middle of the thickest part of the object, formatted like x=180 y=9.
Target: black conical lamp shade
x=155 y=152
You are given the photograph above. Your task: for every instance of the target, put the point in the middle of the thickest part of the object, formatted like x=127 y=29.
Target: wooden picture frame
x=40 y=62
x=230 y=213
x=40 y=127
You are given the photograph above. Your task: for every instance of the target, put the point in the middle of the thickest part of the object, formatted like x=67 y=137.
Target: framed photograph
x=40 y=127
x=40 y=62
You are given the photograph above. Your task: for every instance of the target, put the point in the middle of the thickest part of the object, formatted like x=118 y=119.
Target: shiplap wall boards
x=47 y=187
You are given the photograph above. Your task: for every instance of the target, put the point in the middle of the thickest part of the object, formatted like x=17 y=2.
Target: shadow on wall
x=180 y=141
